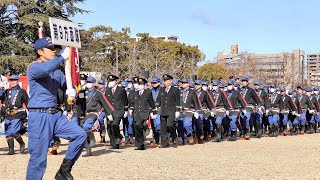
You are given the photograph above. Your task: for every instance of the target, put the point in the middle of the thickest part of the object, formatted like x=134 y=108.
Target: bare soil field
x=290 y=157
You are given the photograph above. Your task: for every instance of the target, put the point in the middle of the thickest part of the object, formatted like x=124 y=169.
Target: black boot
x=291 y=132
x=303 y=128
x=140 y=147
x=22 y=144
x=276 y=131
x=312 y=128
x=88 y=149
x=271 y=131
x=285 y=130
x=233 y=136
x=217 y=132
x=10 y=145
x=64 y=171
x=91 y=138
x=258 y=131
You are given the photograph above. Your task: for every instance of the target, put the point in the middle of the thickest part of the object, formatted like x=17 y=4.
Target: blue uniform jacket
x=44 y=80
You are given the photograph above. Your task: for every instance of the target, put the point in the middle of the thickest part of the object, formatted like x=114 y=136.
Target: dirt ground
x=291 y=157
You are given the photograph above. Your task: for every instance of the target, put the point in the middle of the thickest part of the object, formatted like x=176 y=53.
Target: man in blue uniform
x=102 y=116
x=155 y=120
x=44 y=119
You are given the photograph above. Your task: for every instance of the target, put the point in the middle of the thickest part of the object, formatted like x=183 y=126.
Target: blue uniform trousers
x=128 y=126
x=184 y=126
x=233 y=122
x=273 y=120
x=12 y=127
x=155 y=124
x=42 y=127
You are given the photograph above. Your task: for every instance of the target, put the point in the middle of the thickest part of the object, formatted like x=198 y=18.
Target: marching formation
x=179 y=112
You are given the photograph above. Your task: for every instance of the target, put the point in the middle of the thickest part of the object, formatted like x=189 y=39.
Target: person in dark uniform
x=14 y=110
x=317 y=115
x=222 y=108
x=44 y=119
x=310 y=116
x=206 y=108
x=258 y=116
x=208 y=116
x=189 y=106
x=238 y=105
x=274 y=111
x=143 y=105
x=117 y=96
x=303 y=102
x=168 y=101
x=252 y=101
x=286 y=107
x=80 y=105
x=95 y=102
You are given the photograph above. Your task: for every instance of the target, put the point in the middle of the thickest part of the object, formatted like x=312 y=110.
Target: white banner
x=64 y=33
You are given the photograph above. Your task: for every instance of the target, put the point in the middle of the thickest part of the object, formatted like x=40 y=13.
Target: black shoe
x=233 y=136
x=88 y=149
x=141 y=147
x=312 y=128
x=117 y=146
x=174 y=143
x=217 y=134
x=64 y=171
x=53 y=152
x=276 y=131
x=22 y=144
x=10 y=145
x=165 y=145
x=258 y=131
x=92 y=139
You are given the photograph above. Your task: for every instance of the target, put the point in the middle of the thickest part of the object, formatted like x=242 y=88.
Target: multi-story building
x=313 y=69
x=285 y=69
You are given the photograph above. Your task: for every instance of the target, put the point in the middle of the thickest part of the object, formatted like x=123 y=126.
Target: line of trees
x=103 y=49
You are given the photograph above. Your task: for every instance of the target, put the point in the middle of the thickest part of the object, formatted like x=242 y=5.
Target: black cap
x=142 y=81
x=135 y=79
x=112 y=77
x=83 y=77
x=166 y=77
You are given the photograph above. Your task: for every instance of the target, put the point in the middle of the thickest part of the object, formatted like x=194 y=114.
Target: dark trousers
x=138 y=128
x=168 y=125
x=115 y=130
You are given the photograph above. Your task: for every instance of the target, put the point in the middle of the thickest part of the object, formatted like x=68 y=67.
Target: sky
x=257 y=26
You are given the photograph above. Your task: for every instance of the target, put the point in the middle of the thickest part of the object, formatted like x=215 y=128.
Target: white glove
x=294 y=112
x=153 y=116
x=244 y=111
x=110 y=117
x=196 y=115
x=71 y=93
x=227 y=113
x=130 y=112
x=125 y=114
x=260 y=109
x=267 y=112
x=65 y=52
x=177 y=114
x=212 y=113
